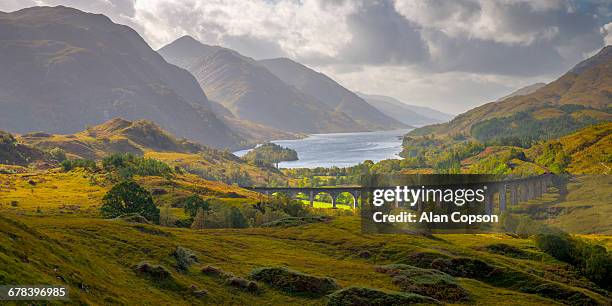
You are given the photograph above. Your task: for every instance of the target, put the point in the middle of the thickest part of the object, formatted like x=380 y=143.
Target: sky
x=451 y=55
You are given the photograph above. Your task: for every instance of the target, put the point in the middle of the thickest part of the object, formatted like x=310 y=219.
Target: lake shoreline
x=341 y=149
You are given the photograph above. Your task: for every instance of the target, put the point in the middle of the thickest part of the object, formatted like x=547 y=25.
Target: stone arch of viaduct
x=509 y=192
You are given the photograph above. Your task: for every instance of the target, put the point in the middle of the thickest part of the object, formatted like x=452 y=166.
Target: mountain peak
x=227 y=55
x=185 y=50
x=89 y=54
x=604 y=55
x=43 y=15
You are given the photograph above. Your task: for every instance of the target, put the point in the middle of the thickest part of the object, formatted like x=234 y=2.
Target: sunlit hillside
x=51 y=233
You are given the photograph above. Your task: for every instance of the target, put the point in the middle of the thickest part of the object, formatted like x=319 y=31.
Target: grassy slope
x=145 y=138
x=87 y=252
x=585 y=209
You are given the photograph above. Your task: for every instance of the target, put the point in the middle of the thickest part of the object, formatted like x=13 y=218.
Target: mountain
x=15 y=153
x=63 y=69
x=579 y=98
x=185 y=51
x=328 y=91
x=251 y=92
x=114 y=136
x=408 y=114
x=523 y=91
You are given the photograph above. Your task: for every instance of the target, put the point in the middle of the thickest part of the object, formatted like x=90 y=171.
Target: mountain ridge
x=407 y=113
x=589 y=90
x=64 y=69
x=328 y=91
x=252 y=92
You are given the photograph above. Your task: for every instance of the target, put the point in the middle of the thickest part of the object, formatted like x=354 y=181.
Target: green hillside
x=145 y=138
x=51 y=242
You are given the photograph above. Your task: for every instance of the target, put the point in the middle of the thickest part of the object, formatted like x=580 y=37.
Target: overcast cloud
x=450 y=55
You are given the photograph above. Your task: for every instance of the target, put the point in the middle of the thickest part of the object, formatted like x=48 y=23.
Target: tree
x=199 y=221
x=165 y=217
x=128 y=197
x=237 y=219
x=194 y=203
x=58 y=154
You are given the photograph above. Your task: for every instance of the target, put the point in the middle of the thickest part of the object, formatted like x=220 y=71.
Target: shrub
x=599 y=269
x=428 y=282
x=593 y=261
x=294 y=221
x=558 y=246
x=166 y=218
x=156 y=272
x=374 y=297
x=507 y=250
x=217 y=272
x=243 y=284
x=560 y=293
x=291 y=207
x=294 y=282
x=184 y=258
x=463 y=267
x=126 y=198
x=58 y=154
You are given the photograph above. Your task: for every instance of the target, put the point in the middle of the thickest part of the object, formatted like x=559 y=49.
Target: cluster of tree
x=593 y=261
x=219 y=215
x=128 y=197
x=69 y=164
x=127 y=165
x=444 y=156
x=523 y=130
x=270 y=153
x=333 y=176
x=553 y=156
x=497 y=163
x=227 y=173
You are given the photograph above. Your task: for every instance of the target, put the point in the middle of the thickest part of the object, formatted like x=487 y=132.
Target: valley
x=194 y=174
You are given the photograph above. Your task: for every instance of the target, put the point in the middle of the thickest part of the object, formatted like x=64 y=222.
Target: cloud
x=508 y=22
x=462 y=48
x=514 y=37
x=452 y=92
x=606 y=30
x=308 y=29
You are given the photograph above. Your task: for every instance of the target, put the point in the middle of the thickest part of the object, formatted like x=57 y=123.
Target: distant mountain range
x=63 y=69
x=252 y=91
x=331 y=93
x=413 y=115
x=581 y=97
